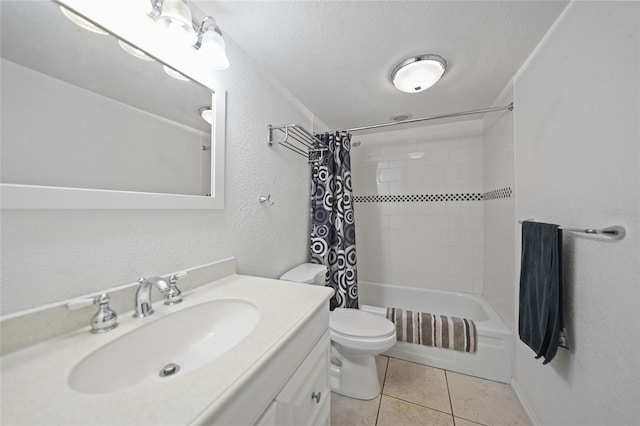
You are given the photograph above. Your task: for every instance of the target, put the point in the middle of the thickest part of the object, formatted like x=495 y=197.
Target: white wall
x=424 y=244
x=577 y=164
x=50 y=256
x=499 y=214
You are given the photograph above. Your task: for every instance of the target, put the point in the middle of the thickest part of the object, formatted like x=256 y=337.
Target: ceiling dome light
x=176 y=19
x=80 y=21
x=416 y=74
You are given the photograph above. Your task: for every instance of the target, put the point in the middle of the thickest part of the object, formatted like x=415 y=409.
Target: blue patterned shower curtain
x=333 y=233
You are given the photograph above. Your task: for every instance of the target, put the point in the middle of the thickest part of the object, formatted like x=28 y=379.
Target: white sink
x=189 y=338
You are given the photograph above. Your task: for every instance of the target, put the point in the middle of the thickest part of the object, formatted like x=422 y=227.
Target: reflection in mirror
x=82 y=110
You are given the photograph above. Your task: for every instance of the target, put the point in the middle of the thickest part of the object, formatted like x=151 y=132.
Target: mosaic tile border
x=491 y=195
x=416 y=198
x=498 y=193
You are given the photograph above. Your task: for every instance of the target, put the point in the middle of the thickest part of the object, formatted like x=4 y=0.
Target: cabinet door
x=324 y=414
x=270 y=416
x=305 y=399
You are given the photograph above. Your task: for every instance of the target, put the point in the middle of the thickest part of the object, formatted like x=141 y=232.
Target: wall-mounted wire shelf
x=297 y=139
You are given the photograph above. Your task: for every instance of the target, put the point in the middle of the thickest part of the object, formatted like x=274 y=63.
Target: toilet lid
x=357 y=323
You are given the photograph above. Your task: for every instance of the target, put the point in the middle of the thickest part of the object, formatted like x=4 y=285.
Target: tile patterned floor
x=414 y=394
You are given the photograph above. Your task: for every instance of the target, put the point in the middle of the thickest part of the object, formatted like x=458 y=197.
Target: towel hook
x=262 y=199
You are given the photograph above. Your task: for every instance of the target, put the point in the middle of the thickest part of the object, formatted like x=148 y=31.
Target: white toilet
x=356 y=338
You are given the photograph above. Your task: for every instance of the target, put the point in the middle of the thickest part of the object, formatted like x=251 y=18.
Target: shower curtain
x=333 y=233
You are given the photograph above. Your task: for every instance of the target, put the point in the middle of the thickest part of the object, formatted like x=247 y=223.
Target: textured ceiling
x=336 y=56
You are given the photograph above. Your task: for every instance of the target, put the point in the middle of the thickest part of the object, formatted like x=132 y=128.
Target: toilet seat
x=357 y=324
x=360 y=333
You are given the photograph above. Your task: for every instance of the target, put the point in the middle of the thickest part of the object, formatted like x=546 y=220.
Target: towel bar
x=618 y=232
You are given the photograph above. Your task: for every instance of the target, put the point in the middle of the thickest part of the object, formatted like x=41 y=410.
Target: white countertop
x=35 y=386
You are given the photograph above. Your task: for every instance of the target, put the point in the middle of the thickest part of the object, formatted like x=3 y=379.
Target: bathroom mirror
x=86 y=124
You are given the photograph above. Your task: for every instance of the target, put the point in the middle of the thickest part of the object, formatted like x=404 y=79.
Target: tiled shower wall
x=419 y=214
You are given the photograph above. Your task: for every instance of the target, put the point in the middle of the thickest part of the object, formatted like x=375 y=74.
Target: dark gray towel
x=541 y=319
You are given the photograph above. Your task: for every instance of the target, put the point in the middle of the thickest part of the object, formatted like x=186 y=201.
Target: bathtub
x=493 y=358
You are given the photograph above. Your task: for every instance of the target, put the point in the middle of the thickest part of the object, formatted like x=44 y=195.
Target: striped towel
x=434 y=330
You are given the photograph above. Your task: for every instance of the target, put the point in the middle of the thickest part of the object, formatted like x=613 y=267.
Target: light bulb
x=212 y=46
x=175 y=20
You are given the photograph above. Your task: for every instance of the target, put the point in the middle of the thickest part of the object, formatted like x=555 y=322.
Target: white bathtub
x=493 y=357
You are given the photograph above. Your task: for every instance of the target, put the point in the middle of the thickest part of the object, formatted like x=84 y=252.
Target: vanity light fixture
x=207 y=114
x=211 y=44
x=418 y=73
x=81 y=22
x=174 y=16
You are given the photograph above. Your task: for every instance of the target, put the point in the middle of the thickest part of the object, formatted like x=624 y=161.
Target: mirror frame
x=15 y=196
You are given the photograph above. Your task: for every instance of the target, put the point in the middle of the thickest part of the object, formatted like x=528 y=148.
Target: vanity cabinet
x=305 y=398
x=276 y=375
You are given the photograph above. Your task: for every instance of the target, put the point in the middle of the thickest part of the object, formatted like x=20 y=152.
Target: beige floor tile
x=484 y=401
x=394 y=412
x=381 y=366
x=353 y=412
x=463 y=422
x=417 y=383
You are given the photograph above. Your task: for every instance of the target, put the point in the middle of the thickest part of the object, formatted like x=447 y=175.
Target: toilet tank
x=309 y=273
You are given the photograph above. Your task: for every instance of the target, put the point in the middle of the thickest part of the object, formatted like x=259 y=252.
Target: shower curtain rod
x=435 y=117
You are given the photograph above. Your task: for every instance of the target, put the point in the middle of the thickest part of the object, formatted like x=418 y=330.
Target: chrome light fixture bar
x=156 y=9
x=418 y=73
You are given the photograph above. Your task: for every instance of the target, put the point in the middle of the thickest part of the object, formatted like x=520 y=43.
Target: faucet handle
x=174 y=295
x=178 y=275
x=74 y=305
x=105 y=319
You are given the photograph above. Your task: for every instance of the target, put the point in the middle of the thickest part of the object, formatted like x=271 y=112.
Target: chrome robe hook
x=266 y=199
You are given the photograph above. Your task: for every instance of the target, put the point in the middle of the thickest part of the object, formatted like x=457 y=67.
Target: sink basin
x=189 y=339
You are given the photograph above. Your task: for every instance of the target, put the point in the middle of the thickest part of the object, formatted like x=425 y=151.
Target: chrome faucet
x=143 y=306
x=169 y=289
